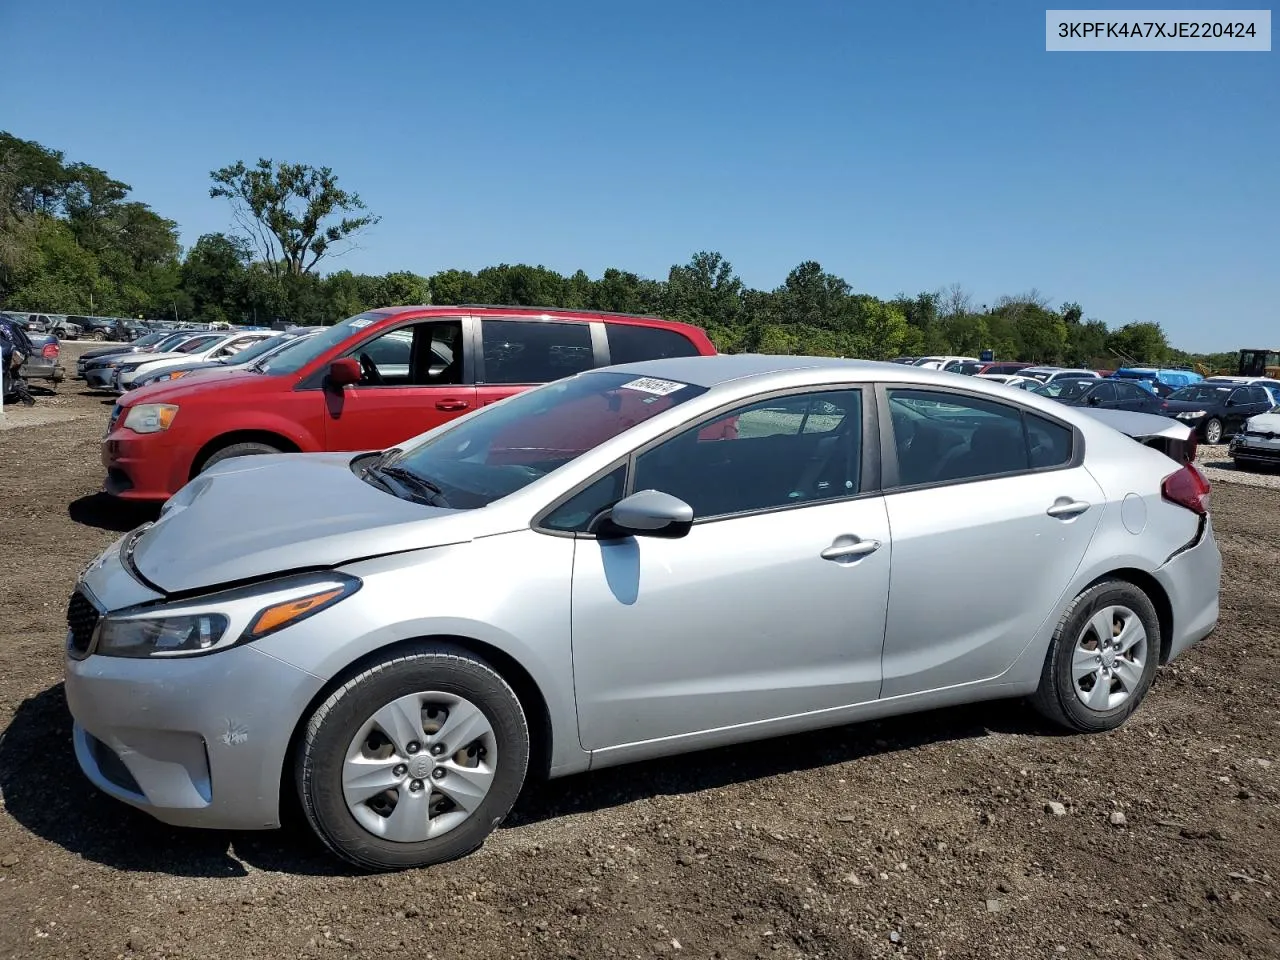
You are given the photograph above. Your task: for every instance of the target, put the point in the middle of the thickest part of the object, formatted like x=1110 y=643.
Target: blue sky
x=905 y=145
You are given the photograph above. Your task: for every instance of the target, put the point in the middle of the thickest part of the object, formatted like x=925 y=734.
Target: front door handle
x=452 y=404
x=850 y=551
x=1064 y=509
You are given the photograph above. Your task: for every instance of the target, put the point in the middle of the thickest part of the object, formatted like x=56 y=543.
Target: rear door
x=1134 y=398
x=415 y=379
x=991 y=511
x=515 y=353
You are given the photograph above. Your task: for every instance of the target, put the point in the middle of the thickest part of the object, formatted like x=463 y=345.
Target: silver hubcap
x=1213 y=432
x=1109 y=656
x=419 y=767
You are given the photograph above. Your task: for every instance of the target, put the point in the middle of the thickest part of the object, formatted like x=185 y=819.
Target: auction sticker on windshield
x=654 y=385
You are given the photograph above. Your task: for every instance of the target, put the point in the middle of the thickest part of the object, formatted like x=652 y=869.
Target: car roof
x=507 y=311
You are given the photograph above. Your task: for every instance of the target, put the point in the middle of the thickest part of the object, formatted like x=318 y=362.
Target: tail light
x=1189 y=488
x=49 y=351
x=1191 y=446
x=1164 y=406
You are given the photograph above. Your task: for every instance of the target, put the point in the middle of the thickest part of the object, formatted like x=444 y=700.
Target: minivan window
x=629 y=343
x=534 y=351
x=291 y=361
x=505 y=447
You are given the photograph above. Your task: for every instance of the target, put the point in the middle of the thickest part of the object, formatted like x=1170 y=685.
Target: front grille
x=82 y=619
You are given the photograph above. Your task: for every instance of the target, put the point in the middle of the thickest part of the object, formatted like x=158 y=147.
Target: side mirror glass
x=648 y=513
x=344 y=372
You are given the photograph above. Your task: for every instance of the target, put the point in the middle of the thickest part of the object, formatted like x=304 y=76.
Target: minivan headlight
x=150 y=417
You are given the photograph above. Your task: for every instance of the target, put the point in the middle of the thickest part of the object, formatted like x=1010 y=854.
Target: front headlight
x=157 y=636
x=230 y=619
x=150 y=417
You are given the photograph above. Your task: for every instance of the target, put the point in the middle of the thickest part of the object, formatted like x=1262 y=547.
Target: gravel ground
x=970 y=832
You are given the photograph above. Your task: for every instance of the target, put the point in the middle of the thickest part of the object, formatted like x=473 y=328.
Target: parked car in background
x=370 y=382
x=255 y=639
x=104 y=328
x=44 y=361
x=907 y=360
x=1004 y=366
x=268 y=346
x=151 y=340
x=946 y=363
x=1218 y=411
x=220 y=346
x=1103 y=393
x=1049 y=374
x=100 y=374
x=1257 y=445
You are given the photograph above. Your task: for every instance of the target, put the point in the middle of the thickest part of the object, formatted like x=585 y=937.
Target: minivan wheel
x=247 y=449
x=414 y=761
x=1213 y=431
x=1102 y=658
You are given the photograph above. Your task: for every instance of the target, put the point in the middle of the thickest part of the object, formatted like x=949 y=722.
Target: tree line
x=73 y=241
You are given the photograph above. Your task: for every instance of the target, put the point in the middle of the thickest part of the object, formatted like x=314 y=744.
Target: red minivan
x=367 y=383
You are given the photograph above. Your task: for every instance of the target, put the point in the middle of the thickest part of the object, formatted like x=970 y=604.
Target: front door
x=1244 y=402
x=414 y=381
x=984 y=535
x=773 y=605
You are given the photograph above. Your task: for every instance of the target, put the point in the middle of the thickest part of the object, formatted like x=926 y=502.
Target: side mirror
x=648 y=513
x=344 y=372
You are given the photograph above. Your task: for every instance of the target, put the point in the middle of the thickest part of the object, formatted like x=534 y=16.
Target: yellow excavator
x=1253 y=362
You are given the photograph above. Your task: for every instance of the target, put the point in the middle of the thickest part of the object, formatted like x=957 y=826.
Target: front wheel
x=414 y=761
x=1102 y=659
x=247 y=449
x=1213 y=431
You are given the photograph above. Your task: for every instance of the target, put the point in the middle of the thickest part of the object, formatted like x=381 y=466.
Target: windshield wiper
x=427 y=492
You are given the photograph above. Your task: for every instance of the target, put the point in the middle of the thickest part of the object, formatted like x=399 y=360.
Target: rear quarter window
x=629 y=343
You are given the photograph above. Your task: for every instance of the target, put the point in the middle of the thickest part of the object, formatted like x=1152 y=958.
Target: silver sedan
x=637 y=561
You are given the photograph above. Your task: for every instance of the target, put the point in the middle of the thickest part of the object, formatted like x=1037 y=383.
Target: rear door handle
x=849 y=551
x=1064 y=509
x=452 y=404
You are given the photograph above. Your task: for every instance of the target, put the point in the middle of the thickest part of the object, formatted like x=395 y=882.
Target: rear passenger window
x=629 y=343
x=1049 y=443
x=945 y=437
x=533 y=351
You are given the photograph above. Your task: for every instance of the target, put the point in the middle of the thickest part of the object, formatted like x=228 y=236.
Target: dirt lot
x=922 y=837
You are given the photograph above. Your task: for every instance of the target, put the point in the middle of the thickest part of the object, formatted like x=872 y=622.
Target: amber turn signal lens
x=283 y=614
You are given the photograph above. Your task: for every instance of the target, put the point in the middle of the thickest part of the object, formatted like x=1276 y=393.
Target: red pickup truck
x=367 y=383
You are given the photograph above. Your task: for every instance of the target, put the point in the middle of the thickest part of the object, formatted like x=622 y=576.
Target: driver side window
x=418 y=355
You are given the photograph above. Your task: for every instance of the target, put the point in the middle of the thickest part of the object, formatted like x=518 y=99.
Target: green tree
x=295 y=213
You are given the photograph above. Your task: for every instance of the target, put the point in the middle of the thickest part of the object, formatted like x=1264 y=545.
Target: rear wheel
x=246 y=449
x=99 y=335
x=414 y=761
x=1213 y=431
x=1102 y=659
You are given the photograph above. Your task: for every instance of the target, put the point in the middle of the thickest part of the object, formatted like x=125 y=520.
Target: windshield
x=291 y=361
x=198 y=343
x=503 y=449
x=1200 y=394
x=255 y=350
x=149 y=339
x=265 y=360
x=1065 y=388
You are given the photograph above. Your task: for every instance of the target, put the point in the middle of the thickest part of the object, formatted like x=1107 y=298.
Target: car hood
x=177 y=391
x=258 y=516
x=1141 y=426
x=1179 y=406
x=193 y=365
x=1264 y=423
x=138 y=359
x=101 y=352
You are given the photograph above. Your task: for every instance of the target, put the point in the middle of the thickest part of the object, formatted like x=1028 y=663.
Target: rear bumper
x=1192 y=580
x=37 y=369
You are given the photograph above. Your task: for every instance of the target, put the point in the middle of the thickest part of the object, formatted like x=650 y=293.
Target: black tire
x=100 y=335
x=246 y=449
x=329 y=731
x=1056 y=696
x=1212 y=427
